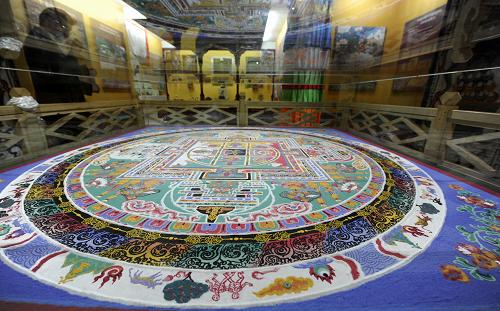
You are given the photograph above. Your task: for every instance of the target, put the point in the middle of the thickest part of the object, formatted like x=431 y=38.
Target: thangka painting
x=173 y=60
x=366 y=86
x=110 y=45
x=411 y=67
x=222 y=65
x=261 y=64
x=138 y=43
x=358 y=47
x=480 y=90
x=190 y=63
x=421 y=34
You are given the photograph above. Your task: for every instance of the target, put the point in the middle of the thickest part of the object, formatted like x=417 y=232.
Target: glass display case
x=281 y=154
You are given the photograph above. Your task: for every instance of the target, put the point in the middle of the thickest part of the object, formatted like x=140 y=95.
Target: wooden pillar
x=441 y=128
x=346 y=98
x=141 y=119
x=31 y=128
x=166 y=76
x=272 y=75
x=242 y=114
x=237 y=57
x=344 y=118
x=149 y=113
x=272 y=87
x=200 y=75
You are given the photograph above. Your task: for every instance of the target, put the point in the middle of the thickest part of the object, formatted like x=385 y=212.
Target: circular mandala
x=231 y=215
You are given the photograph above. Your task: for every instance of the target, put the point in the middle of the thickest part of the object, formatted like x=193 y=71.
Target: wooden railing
x=464 y=142
x=288 y=114
x=191 y=113
x=405 y=129
x=234 y=113
x=56 y=127
x=474 y=147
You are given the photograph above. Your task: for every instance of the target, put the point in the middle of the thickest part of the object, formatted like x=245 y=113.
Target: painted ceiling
x=226 y=21
x=227 y=16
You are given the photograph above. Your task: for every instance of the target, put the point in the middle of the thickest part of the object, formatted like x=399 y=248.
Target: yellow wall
x=211 y=90
x=183 y=86
x=381 y=13
x=155 y=49
x=178 y=82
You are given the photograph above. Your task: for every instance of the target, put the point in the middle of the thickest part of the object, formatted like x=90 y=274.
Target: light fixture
x=271 y=25
x=166 y=45
x=276 y=18
x=129 y=12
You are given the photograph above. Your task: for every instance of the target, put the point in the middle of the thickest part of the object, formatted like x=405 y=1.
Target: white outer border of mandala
x=365 y=279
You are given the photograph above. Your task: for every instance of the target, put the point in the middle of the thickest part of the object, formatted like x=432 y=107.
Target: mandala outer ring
x=116 y=294
x=185 y=249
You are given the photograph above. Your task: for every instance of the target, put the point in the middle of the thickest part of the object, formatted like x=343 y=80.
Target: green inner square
x=227 y=176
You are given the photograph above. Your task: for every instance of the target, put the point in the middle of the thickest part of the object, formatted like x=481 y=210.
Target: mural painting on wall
x=260 y=64
x=225 y=22
x=267 y=59
x=420 y=40
x=254 y=65
x=138 y=43
x=410 y=67
x=222 y=65
x=110 y=45
x=190 y=63
x=421 y=34
x=368 y=86
x=173 y=61
x=479 y=90
x=358 y=47
x=77 y=43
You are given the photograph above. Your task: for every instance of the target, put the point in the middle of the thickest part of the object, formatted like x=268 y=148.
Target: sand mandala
x=218 y=217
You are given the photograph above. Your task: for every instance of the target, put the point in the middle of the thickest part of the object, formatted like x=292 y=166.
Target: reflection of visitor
x=46 y=53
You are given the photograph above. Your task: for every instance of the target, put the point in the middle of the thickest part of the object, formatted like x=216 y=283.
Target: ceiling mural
x=208 y=15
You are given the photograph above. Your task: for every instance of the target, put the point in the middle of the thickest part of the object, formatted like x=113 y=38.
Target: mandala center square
x=223 y=177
